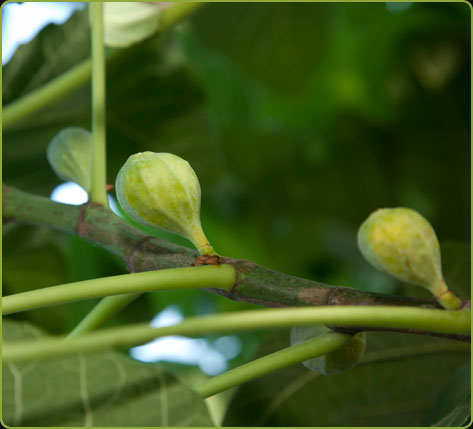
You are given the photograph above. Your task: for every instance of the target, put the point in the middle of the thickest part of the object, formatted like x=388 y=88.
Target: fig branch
x=141 y=252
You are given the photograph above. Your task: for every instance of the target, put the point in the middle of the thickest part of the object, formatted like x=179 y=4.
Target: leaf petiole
x=217 y=276
x=428 y=320
x=308 y=349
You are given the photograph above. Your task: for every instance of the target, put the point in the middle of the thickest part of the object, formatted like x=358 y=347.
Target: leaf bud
x=161 y=190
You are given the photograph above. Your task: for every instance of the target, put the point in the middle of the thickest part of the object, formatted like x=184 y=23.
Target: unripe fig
x=127 y=23
x=161 y=190
x=402 y=243
x=341 y=359
x=70 y=155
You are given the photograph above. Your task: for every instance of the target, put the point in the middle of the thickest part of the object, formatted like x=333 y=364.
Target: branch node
x=332 y=296
x=81 y=226
x=139 y=247
x=207 y=260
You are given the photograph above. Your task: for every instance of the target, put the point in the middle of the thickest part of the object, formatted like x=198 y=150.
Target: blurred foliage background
x=299 y=120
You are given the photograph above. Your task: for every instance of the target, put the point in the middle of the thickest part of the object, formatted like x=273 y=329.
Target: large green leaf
x=395 y=385
x=47 y=56
x=296 y=48
x=98 y=389
x=256 y=35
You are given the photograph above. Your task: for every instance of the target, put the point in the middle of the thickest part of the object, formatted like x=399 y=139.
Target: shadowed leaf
x=394 y=385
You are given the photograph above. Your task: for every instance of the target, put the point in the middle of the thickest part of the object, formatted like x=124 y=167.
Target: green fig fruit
x=127 y=23
x=70 y=155
x=161 y=190
x=339 y=360
x=402 y=243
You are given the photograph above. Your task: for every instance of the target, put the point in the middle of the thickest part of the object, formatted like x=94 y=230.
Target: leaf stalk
x=309 y=349
x=219 y=276
x=429 y=320
x=98 y=193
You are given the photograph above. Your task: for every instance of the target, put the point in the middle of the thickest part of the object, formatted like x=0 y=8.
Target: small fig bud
x=161 y=190
x=339 y=360
x=70 y=155
x=402 y=243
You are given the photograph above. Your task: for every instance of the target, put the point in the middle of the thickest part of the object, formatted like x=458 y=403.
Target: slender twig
x=219 y=276
x=98 y=193
x=70 y=80
x=423 y=319
x=309 y=349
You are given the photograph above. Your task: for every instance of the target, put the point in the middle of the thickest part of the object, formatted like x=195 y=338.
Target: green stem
x=219 y=276
x=103 y=311
x=445 y=297
x=199 y=240
x=78 y=75
x=429 y=320
x=309 y=349
x=98 y=193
